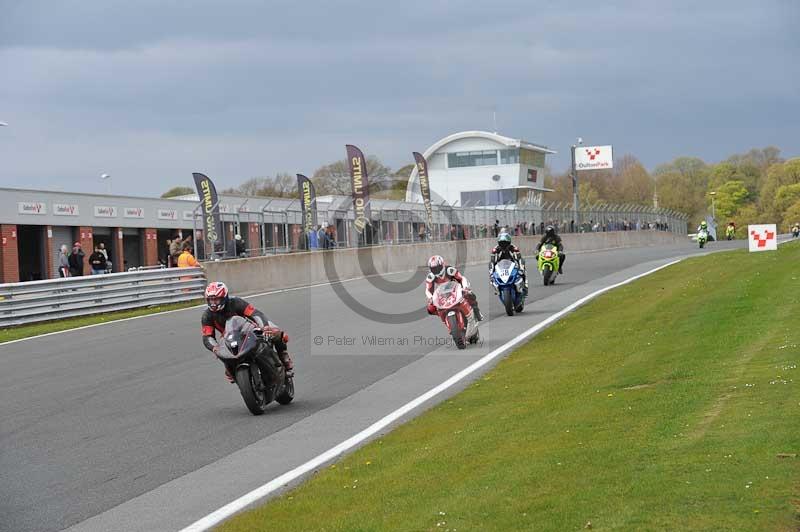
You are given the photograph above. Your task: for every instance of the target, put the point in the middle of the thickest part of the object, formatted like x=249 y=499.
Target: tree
x=777 y=175
x=283 y=185
x=730 y=197
x=405 y=171
x=791 y=216
x=334 y=178
x=178 y=191
x=634 y=183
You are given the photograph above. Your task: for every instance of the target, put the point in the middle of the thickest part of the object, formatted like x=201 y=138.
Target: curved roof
x=500 y=139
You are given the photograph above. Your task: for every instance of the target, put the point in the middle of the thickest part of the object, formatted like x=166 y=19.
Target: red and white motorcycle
x=456 y=313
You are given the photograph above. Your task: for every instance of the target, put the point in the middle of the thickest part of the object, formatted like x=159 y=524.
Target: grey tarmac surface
x=131 y=425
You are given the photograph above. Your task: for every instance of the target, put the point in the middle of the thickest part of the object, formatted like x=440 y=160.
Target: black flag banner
x=308 y=202
x=424 y=187
x=212 y=225
x=360 y=183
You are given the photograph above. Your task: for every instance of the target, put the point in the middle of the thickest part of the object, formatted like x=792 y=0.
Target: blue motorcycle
x=508 y=285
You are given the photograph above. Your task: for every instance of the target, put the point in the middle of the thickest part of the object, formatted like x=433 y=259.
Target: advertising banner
x=424 y=188
x=212 y=224
x=308 y=202
x=762 y=237
x=65 y=209
x=133 y=212
x=360 y=184
x=31 y=207
x=105 y=211
x=594 y=158
x=167 y=214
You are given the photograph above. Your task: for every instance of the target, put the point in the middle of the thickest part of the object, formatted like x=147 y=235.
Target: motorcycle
x=456 y=313
x=730 y=232
x=795 y=232
x=702 y=238
x=508 y=285
x=255 y=366
x=548 y=262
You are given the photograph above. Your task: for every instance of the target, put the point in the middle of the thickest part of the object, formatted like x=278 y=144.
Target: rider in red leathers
x=442 y=273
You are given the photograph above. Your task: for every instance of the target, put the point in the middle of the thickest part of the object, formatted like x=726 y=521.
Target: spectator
x=330 y=235
x=76 y=260
x=104 y=251
x=496 y=228
x=186 y=259
x=313 y=238
x=322 y=238
x=97 y=261
x=241 y=248
x=174 y=247
x=63 y=262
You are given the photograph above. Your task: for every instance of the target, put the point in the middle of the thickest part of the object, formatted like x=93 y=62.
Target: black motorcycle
x=255 y=365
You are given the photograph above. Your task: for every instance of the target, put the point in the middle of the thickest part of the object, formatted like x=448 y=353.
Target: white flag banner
x=763 y=237
x=594 y=158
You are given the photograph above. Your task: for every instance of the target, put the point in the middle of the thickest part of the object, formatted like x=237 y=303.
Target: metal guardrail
x=54 y=299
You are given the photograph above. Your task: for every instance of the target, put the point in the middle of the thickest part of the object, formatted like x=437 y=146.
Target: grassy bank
x=668 y=404
x=35 y=329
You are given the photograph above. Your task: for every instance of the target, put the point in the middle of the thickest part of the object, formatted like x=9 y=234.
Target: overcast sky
x=150 y=91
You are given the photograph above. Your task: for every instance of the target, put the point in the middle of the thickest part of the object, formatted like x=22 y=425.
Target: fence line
x=36 y=301
x=397 y=222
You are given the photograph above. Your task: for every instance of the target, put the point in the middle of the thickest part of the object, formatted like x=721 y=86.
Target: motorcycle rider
x=551 y=237
x=702 y=227
x=796 y=229
x=442 y=273
x=506 y=250
x=221 y=308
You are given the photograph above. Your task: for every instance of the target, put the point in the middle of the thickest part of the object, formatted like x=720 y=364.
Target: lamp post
x=713 y=210
x=575 y=182
x=107 y=178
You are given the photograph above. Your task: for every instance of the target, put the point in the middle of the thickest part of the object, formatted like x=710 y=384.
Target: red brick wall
x=48 y=253
x=9 y=259
x=86 y=238
x=119 y=251
x=150 y=247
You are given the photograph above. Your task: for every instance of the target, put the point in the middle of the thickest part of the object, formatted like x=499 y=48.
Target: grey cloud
x=156 y=90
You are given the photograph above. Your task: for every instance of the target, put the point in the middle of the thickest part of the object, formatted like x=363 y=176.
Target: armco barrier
x=81 y=296
x=293 y=270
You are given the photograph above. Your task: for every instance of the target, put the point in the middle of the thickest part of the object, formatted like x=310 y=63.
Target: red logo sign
x=593 y=153
x=762 y=241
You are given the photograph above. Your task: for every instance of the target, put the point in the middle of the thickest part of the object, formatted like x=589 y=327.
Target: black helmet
x=550 y=230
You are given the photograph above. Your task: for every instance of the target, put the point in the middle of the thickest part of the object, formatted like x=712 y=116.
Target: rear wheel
x=546 y=274
x=255 y=401
x=456 y=332
x=508 y=301
x=287 y=394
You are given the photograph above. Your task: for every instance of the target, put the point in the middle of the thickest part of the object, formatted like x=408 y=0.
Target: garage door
x=61 y=235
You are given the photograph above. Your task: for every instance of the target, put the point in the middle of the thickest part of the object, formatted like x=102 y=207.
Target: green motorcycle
x=548 y=262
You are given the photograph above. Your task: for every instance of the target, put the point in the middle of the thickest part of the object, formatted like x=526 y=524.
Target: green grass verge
x=663 y=405
x=35 y=329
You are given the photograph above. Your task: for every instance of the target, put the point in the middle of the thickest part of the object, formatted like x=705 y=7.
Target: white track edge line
x=261 y=492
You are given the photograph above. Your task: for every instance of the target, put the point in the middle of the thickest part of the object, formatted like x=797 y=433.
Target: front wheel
x=256 y=401
x=546 y=274
x=702 y=244
x=508 y=301
x=456 y=332
x=287 y=394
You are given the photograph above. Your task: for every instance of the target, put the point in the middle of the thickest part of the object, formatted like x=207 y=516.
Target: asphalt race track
x=131 y=425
